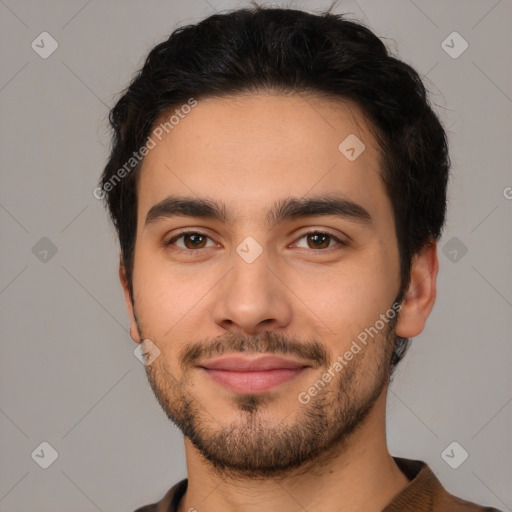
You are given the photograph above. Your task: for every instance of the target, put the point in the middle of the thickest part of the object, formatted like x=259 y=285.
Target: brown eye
x=196 y=241
x=191 y=240
x=319 y=240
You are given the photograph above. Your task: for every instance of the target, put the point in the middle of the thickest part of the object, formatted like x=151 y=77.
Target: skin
x=303 y=297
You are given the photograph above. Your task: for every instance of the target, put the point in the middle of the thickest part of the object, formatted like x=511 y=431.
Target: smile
x=248 y=374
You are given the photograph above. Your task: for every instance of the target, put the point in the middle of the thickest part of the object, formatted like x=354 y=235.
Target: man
x=278 y=183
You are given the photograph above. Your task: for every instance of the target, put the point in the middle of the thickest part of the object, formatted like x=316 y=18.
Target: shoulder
x=169 y=503
x=425 y=492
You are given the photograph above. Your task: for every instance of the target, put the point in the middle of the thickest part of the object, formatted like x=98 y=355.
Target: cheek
x=168 y=299
x=353 y=296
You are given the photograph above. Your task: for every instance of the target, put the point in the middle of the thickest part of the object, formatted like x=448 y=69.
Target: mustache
x=266 y=341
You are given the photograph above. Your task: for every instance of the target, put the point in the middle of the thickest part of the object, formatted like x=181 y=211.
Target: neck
x=357 y=475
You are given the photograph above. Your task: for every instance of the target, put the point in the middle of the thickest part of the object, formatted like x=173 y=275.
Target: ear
x=421 y=293
x=134 y=332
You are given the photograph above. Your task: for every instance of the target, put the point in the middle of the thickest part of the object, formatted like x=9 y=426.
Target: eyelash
x=311 y=232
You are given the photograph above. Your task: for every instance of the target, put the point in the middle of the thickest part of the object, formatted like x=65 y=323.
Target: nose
x=252 y=298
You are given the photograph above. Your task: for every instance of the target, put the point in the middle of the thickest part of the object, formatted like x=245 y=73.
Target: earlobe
x=134 y=331
x=421 y=293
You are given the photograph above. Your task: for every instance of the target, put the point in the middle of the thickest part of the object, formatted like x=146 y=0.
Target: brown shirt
x=423 y=494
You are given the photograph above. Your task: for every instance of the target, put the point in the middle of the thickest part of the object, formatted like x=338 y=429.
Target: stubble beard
x=257 y=447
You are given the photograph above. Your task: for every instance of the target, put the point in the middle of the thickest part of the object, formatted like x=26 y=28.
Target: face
x=300 y=259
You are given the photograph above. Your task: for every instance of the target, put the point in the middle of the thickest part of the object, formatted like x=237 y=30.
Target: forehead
x=249 y=150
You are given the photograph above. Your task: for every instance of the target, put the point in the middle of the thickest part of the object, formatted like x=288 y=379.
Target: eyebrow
x=284 y=209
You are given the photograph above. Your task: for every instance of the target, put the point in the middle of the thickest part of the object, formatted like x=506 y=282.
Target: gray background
x=68 y=373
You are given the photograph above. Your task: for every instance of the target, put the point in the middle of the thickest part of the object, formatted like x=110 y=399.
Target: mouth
x=244 y=374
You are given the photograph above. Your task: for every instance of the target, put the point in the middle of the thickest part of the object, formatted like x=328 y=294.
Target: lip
x=243 y=363
x=243 y=374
